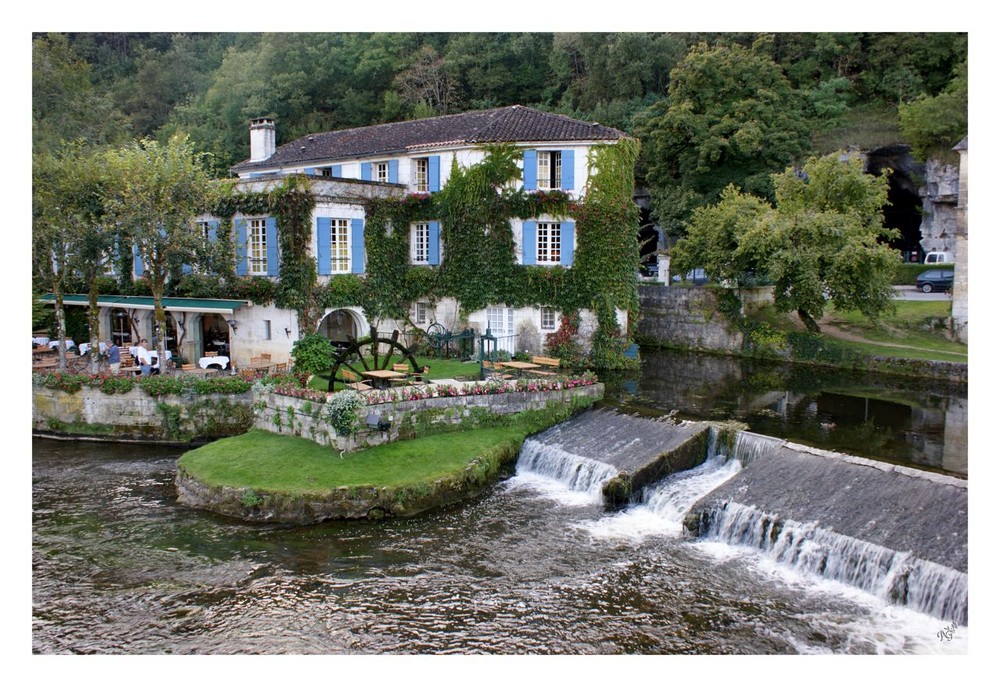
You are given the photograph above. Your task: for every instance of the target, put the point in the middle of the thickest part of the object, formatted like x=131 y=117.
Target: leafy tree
x=934 y=124
x=68 y=240
x=64 y=104
x=153 y=192
x=732 y=117
x=822 y=241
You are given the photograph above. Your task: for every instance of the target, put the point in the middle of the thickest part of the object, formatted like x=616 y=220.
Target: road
x=911 y=293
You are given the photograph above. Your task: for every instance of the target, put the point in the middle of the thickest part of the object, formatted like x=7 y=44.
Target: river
x=531 y=567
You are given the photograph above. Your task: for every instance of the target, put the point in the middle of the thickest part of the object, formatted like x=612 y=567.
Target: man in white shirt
x=144 y=359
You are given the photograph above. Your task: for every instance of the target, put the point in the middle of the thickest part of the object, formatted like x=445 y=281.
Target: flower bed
x=153 y=385
x=417 y=393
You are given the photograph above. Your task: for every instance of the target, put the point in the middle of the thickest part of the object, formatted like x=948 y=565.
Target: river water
x=531 y=567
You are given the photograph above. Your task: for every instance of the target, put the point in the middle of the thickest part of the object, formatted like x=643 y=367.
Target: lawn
x=917 y=325
x=450 y=368
x=277 y=463
x=913 y=331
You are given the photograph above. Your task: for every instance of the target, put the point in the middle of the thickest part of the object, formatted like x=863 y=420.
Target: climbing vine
x=478 y=266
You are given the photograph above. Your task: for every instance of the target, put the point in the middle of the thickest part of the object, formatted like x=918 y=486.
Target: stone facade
x=939 y=195
x=960 y=290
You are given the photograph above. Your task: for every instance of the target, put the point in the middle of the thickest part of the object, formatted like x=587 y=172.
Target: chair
x=352 y=381
x=187 y=367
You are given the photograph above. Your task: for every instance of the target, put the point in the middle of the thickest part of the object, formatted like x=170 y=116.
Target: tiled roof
x=500 y=125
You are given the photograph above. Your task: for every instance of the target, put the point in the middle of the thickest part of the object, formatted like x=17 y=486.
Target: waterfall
x=576 y=472
x=748 y=446
x=672 y=498
x=893 y=576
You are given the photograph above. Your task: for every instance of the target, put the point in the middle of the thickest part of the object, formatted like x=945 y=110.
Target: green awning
x=205 y=305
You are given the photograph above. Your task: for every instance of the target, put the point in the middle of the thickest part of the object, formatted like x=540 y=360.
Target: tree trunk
x=94 y=320
x=60 y=330
x=808 y=321
x=160 y=325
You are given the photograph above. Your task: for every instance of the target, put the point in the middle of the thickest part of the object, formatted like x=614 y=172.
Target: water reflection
x=919 y=422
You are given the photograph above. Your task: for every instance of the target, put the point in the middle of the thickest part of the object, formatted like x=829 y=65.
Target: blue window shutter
x=254 y=175
x=366 y=171
x=185 y=268
x=531 y=170
x=357 y=246
x=434 y=173
x=434 y=243
x=310 y=170
x=567 y=170
x=324 y=227
x=271 y=237
x=393 y=171
x=136 y=262
x=337 y=171
x=213 y=230
x=567 y=242
x=240 y=225
x=529 y=242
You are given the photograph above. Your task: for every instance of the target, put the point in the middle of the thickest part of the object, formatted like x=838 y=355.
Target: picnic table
x=519 y=367
x=382 y=378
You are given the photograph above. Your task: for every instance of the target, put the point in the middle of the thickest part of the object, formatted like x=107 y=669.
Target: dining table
x=210 y=360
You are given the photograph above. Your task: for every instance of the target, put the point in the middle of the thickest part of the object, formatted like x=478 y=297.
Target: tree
x=822 y=241
x=933 y=124
x=154 y=192
x=732 y=118
x=68 y=239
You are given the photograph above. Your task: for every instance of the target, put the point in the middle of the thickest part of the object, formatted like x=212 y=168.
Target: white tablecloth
x=84 y=347
x=40 y=340
x=54 y=343
x=219 y=360
x=156 y=358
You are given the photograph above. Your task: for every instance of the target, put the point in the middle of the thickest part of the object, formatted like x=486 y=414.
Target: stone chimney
x=261 y=139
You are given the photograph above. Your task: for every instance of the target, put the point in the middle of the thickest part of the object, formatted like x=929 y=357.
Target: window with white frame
x=257 y=250
x=421 y=175
x=420 y=243
x=340 y=250
x=549 y=169
x=548 y=319
x=420 y=313
x=380 y=171
x=549 y=243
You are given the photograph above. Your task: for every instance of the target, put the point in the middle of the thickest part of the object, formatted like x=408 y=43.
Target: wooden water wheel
x=372 y=352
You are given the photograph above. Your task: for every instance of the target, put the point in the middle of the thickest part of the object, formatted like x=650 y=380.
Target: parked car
x=936 y=280
x=939 y=258
x=648 y=266
x=697 y=276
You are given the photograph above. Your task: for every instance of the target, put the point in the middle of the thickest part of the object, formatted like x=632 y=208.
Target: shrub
x=313 y=354
x=342 y=411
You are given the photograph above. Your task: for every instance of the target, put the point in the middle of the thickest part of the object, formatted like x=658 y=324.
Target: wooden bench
x=545 y=362
x=352 y=381
x=127 y=363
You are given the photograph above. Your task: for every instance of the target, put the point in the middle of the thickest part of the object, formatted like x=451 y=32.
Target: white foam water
x=663 y=505
x=566 y=476
x=892 y=576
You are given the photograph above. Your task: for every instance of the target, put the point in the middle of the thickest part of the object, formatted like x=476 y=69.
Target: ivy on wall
x=479 y=266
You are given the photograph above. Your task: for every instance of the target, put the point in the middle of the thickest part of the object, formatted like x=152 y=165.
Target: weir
x=898 y=533
x=615 y=455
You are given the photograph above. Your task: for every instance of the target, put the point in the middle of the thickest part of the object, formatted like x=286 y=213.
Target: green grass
x=277 y=463
x=451 y=368
x=916 y=324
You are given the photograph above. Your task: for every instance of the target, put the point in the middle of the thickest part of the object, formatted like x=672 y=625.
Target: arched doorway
x=121 y=327
x=339 y=326
x=215 y=334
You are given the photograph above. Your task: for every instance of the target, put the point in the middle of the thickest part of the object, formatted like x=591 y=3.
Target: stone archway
x=340 y=326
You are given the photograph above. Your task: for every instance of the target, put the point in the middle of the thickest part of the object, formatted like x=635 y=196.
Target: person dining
x=144 y=359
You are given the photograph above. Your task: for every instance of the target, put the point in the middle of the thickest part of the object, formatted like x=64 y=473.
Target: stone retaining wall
x=134 y=415
x=307 y=419
x=686 y=317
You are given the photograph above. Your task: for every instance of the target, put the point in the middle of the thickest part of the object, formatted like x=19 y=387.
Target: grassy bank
x=269 y=462
x=916 y=331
